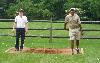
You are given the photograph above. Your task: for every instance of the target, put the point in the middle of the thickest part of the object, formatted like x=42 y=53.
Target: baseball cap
x=21 y=10
x=74 y=9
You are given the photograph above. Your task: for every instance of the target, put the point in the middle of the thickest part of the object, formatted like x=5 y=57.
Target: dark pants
x=20 y=32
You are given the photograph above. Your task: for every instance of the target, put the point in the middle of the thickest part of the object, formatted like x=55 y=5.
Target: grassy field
x=91 y=46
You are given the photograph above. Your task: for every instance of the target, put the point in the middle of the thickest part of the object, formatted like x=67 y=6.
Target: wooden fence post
x=50 y=40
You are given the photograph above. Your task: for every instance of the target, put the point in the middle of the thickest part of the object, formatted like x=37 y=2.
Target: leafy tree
x=45 y=9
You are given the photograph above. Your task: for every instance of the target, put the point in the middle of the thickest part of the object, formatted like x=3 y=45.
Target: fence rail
x=83 y=22
x=45 y=36
x=55 y=29
x=50 y=29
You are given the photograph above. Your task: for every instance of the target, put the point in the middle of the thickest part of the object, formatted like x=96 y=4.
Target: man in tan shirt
x=72 y=21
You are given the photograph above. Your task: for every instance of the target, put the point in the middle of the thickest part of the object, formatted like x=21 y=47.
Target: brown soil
x=66 y=51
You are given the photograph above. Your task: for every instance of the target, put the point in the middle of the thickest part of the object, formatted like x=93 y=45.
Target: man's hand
x=26 y=30
x=65 y=25
x=13 y=30
x=65 y=28
x=14 y=26
x=82 y=32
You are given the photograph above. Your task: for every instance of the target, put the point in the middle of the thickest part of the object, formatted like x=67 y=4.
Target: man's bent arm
x=65 y=25
x=14 y=25
x=26 y=27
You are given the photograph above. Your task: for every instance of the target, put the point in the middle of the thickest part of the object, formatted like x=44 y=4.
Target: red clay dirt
x=66 y=51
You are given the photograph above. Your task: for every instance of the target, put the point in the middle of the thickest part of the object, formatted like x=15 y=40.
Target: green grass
x=91 y=46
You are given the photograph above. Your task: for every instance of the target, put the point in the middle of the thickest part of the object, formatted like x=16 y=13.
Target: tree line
x=45 y=9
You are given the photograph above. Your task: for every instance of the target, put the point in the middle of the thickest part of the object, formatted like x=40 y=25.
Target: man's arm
x=66 y=21
x=26 y=24
x=80 y=27
x=14 y=26
x=26 y=27
x=79 y=22
x=65 y=25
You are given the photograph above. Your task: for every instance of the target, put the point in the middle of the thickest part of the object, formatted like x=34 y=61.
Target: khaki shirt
x=72 y=21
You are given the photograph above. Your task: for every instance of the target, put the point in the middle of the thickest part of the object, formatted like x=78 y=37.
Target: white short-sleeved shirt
x=21 y=21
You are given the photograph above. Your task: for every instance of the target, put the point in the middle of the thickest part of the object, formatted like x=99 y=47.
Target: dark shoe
x=21 y=49
x=77 y=51
x=72 y=53
x=16 y=49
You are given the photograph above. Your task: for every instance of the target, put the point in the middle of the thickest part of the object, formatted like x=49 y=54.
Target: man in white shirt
x=74 y=24
x=21 y=25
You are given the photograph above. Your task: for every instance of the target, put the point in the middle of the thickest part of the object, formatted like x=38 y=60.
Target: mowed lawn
x=91 y=46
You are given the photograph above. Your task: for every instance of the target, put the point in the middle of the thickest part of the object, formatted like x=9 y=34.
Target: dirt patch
x=66 y=51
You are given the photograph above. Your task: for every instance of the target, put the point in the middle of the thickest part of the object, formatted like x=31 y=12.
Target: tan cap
x=21 y=10
x=74 y=9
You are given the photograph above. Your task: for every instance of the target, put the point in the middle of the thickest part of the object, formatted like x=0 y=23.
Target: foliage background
x=45 y=9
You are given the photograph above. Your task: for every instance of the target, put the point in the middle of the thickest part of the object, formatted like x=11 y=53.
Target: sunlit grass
x=91 y=46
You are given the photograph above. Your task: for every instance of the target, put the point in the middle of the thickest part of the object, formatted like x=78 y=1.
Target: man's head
x=21 y=11
x=72 y=11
